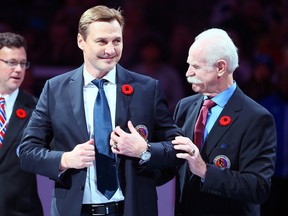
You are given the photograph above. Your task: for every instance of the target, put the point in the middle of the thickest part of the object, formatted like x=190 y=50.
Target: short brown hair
x=11 y=40
x=99 y=13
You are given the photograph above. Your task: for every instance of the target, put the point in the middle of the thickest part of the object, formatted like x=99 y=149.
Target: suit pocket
x=224 y=156
x=60 y=193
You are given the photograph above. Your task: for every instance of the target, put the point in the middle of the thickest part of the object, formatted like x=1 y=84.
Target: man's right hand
x=80 y=157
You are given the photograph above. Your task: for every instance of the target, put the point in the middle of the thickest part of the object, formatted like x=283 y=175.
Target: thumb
x=131 y=127
x=91 y=142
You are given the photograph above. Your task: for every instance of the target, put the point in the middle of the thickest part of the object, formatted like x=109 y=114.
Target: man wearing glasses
x=13 y=64
x=18 y=193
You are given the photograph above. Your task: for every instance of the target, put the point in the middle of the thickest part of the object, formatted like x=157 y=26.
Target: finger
x=182 y=155
x=185 y=149
x=113 y=136
x=88 y=163
x=111 y=141
x=185 y=140
x=178 y=137
x=89 y=145
x=114 y=145
x=115 y=151
x=192 y=152
x=91 y=142
x=131 y=127
x=176 y=142
x=179 y=147
x=90 y=157
x=118 y=132
x=179 y=140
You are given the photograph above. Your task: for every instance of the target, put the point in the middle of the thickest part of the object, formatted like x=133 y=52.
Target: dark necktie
x=2 y=120
x=201 y=121
x=105 y=159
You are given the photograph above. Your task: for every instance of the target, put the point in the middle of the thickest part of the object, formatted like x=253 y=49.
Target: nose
x=110 y=49
x=189 y=72
x=19 y=67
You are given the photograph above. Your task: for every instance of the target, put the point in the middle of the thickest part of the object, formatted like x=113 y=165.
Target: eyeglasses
x=14 y=64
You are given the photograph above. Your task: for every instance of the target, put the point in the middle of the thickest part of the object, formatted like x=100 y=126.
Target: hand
x=129 y=144
x=189 y=151
x=80 y=157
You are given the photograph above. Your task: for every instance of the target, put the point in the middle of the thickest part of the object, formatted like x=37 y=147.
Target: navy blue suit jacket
x=60 y=116
x=246 y=146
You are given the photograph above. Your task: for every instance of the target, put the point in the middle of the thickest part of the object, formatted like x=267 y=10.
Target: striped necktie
x=2 y=120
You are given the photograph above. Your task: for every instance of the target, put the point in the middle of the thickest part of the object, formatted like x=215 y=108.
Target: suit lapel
x=122 y=100
x=194 y=110
x=75 y=91
x=194 y=115
x=231 y=109
x=16 y=125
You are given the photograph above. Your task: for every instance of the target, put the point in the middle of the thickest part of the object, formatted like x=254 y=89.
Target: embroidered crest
x=143 y=131
x=222 y=161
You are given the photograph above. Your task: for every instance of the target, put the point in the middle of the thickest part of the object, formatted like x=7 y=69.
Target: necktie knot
x=2 y=107
x=209 y=103
x=201 y=121
x=2 y=100
x=99 y=83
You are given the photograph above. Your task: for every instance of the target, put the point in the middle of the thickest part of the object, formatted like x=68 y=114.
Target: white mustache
x=193 y=80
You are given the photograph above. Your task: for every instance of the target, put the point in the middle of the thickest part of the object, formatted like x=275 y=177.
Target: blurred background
x=157 y=36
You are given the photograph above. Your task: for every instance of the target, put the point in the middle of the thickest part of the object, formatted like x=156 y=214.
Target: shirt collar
x=110 y=76
x=10 y=98
x=222 y=98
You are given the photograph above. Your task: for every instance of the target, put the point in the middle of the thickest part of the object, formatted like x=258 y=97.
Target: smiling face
x=11 y=77
x=102 y=48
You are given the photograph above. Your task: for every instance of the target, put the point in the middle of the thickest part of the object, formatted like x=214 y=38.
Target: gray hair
x=219 y=45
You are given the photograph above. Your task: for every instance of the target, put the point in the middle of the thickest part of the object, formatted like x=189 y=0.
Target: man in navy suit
x=231 y=172
x=57 y=142
x=18 y=190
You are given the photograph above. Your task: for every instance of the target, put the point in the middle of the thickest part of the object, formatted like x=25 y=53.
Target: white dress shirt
x=90 y=91
x=9 y=103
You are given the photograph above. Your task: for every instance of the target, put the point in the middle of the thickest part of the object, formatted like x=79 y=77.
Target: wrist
x=63 y=164
x=145 y=155
x=203 y=176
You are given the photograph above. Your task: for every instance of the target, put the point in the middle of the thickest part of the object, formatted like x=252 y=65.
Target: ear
x=80 y=41
x=221 y=67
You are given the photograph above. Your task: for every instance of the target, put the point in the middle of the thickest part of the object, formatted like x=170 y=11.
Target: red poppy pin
x=21 y=113
x=127 y=89
x=225 y=120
